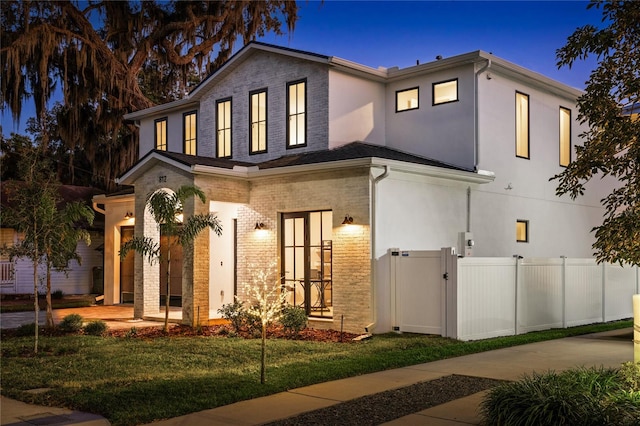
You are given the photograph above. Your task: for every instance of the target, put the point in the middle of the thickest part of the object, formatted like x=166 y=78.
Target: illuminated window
x=565 y=136
x=296 y=114
x=258 y=119
x=223 y=128
x=522 y=125
x=161 y=134
x=444 y=92
x=190 y=132
x=407 y=99
x=522 y=231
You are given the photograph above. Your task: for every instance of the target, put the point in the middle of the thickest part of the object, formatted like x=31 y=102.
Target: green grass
x=133 y=381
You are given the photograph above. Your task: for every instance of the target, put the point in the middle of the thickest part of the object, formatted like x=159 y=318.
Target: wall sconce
x=348 y=220
x=259 y=226
x=128 y=215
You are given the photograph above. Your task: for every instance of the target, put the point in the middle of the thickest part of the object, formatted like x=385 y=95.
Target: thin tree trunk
x=36 y=305
x=166 y=302
x=50 y=323
x=264 y=354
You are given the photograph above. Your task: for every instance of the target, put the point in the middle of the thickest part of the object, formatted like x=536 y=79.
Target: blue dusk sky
x=399 y=33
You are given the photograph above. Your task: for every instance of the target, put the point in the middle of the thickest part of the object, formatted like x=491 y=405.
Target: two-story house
x=322 y=165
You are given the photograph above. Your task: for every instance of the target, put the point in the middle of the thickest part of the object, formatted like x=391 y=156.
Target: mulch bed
x=385 y=406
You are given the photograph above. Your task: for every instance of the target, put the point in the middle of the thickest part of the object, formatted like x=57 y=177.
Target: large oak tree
x=114 y=57
x=611 y=107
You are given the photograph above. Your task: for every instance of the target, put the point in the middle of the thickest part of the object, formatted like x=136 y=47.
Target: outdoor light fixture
x=348 y=220
x=259 y=226
x=128 y=215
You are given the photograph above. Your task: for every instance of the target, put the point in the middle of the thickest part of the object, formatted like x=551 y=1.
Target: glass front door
x=307 y=261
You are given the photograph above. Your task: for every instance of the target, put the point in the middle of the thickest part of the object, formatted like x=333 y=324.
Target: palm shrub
x=593 y=396
x=72 y=323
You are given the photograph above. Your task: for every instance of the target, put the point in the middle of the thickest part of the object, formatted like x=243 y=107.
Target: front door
x=307 y=261
x=126 y=267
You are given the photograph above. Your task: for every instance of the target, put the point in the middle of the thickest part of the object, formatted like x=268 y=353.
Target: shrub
x=96 y=328
x=26 y=330
x=234 y=313
x=57 y=295
x=133 y=332
x=580 y=396
x=72 y=323
x=293 y=319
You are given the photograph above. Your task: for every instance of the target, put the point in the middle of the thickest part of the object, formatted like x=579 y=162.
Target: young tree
x=610 y=106
x=30 y=211
x=113 y=57
x=165 y=208
x=266 y=302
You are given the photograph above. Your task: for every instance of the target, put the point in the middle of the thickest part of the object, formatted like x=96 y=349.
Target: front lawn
x=132 y=380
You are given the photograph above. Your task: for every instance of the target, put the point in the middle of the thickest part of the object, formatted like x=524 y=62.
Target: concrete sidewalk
x=609 y=349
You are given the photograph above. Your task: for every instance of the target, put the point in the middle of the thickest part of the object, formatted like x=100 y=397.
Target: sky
x=399 y=33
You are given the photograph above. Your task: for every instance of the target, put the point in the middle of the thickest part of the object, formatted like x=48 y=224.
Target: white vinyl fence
x=490 y=297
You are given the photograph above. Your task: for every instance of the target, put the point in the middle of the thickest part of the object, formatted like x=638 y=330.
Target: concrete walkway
x=609 y=349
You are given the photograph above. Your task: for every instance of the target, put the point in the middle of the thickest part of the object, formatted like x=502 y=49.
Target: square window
x=407 y=99
x=522 y=231
x=445 y=92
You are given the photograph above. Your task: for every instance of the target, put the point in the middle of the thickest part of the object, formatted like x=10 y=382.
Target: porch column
x=195 y=274
x=146 y=298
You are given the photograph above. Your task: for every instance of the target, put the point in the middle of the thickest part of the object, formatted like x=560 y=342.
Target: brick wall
x=341 y=192
x=271 y=71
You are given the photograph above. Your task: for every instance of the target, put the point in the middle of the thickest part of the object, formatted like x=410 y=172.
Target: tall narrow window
x=565 y=136
x=161 y=134
x=522 y=231
x=522 y=125
x=445 y=91
x=407 y=99
x=296 y=114
x=223 y=128
x=190 y=132
x=258 y=119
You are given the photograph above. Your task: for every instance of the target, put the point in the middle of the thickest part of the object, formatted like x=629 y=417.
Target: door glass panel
x=307 y=261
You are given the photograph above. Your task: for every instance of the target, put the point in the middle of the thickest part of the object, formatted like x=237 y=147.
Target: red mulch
x=308 y=334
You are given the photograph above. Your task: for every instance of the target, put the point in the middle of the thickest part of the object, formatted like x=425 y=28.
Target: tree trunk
x=167 y=298
x=263 y=361
x=50 y=323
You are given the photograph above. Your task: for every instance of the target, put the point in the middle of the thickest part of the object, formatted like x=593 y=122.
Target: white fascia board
x=429 y=67
x=105 y=199
x=237 y=172
x=148 y=162
x=357 y=69
x=434 y=171
x=158 y=109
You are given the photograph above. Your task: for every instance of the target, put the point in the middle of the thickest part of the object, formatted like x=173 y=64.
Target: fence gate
x=418 y=280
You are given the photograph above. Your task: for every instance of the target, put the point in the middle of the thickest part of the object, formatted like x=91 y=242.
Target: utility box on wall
x=465 y=244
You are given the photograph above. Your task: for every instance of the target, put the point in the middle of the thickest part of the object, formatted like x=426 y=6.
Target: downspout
x=98 y=209
x=476 y=115
x=374 y=312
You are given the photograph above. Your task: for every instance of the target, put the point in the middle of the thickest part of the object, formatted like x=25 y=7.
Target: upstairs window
x=161 y=134
x=258 y=120
x=565 y=136
x=407 y=99
x=522 y=231
x=297 y=114
x=522 y=125
x=190 y=132
x=445 y=92
x=223 y=128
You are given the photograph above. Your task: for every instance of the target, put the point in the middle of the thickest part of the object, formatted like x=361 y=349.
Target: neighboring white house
x=323 y=165
x=16 y=275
